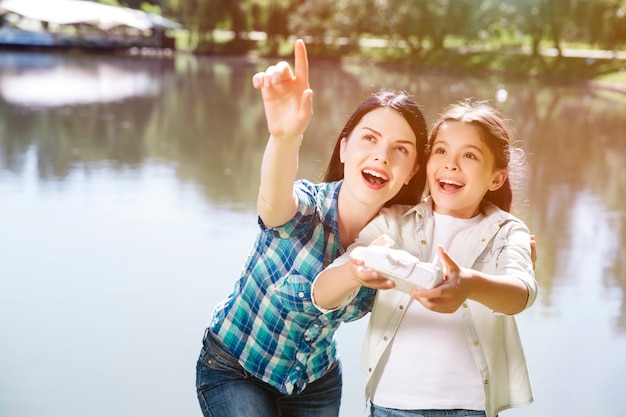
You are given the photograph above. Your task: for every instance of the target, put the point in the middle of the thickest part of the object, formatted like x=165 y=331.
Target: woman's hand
x=533 y=250
x=288 y=100
x=287 y=97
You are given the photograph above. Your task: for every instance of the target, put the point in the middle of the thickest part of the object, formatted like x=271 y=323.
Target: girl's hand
x=287 y=98
x=368 y=277
x=449 y=295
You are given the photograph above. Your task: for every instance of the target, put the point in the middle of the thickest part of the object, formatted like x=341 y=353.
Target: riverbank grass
x=510 y=59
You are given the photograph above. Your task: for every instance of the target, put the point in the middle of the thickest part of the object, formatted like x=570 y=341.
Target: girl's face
x=460 y=170
x=379 y=157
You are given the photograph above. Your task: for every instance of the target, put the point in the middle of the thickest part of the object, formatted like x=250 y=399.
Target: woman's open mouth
x=374 y=177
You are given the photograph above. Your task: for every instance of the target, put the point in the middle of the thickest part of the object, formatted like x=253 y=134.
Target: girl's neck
x=464 y=213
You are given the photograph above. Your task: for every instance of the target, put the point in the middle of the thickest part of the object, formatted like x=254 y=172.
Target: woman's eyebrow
x=377 y=133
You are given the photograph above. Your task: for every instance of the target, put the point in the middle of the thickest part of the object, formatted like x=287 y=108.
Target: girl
x=268 y=351
x=469 y=361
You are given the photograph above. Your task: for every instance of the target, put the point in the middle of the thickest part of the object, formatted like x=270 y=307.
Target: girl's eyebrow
x=464 y=147
x=476 y=148
x=377 y=133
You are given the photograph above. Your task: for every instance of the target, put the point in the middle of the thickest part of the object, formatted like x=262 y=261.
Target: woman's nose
x=381 y=154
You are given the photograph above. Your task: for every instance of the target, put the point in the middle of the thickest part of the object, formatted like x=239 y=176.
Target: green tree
x=316 y=19
x=276 y=27
x=559 y=14
x=600 y=21
x=202 y=17
x=407 y=23
x=613 y=20
x=335 y=26
x=542 y=20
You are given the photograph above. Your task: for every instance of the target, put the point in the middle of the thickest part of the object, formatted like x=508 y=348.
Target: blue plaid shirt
x=269 y=322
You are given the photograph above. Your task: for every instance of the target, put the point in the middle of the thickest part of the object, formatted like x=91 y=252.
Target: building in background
x=81 y=24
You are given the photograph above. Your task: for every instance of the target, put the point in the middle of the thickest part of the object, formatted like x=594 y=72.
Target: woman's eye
x=370 y=138
x=402 y=149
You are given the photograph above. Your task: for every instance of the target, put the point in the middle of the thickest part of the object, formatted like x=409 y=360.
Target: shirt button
x=301 y=294
x=423 y=242
x=476 y=343
x=401 y=307
x=486 y=382
x=385 y=338
x=464 y=305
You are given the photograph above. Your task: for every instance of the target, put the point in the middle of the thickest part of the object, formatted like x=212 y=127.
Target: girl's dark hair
x=412 y=113
x=494 y=131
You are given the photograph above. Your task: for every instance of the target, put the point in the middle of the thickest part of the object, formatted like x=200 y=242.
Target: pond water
x=127 y=193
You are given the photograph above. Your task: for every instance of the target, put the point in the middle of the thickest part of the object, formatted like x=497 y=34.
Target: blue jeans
x=377 y=411
x=225 y=389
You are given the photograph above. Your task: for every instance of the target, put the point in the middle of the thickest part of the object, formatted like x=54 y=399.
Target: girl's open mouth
x=449 y=185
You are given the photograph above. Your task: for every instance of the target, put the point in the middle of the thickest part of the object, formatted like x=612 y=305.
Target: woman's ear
x=498 y=179
x=342 y=149
x=412 y=174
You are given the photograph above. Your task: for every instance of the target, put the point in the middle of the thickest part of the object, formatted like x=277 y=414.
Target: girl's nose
x=451 y=165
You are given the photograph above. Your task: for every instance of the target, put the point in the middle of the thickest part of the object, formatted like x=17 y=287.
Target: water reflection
x=43 y=82
x=134 y=144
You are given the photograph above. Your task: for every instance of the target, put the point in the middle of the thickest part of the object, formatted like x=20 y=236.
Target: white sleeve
x=374 y=229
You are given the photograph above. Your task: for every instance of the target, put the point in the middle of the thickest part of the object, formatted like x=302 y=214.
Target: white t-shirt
x=428 y=364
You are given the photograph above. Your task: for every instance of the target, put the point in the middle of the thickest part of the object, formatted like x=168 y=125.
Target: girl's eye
x=439 y=151
x=470 y=156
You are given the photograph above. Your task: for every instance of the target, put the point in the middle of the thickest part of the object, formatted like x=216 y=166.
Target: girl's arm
x=334 y=286
x=507 y=293
x=287 y=100
x=339 y=283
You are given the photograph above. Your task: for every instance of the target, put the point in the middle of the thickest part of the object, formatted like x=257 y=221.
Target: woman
x=268 y=351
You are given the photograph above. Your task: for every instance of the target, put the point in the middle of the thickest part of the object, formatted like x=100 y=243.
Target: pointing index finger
x=301 y=61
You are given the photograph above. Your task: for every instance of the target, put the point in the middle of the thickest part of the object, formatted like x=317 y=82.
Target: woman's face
x=379 y=156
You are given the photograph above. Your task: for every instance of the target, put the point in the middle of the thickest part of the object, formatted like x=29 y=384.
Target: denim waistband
x=216 y=345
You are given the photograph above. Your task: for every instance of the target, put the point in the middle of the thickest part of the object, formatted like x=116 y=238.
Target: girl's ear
x=342 y=149
x=498 y=179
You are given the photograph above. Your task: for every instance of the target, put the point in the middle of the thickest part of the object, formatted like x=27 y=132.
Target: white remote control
x=404 y=269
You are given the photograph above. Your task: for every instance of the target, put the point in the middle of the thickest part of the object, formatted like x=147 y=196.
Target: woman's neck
x=353 y=216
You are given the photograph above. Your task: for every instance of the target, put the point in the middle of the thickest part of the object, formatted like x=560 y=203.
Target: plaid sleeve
x=358 y=307
x=307 y=194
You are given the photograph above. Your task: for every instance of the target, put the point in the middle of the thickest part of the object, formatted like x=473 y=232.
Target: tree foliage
x=418 y=24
